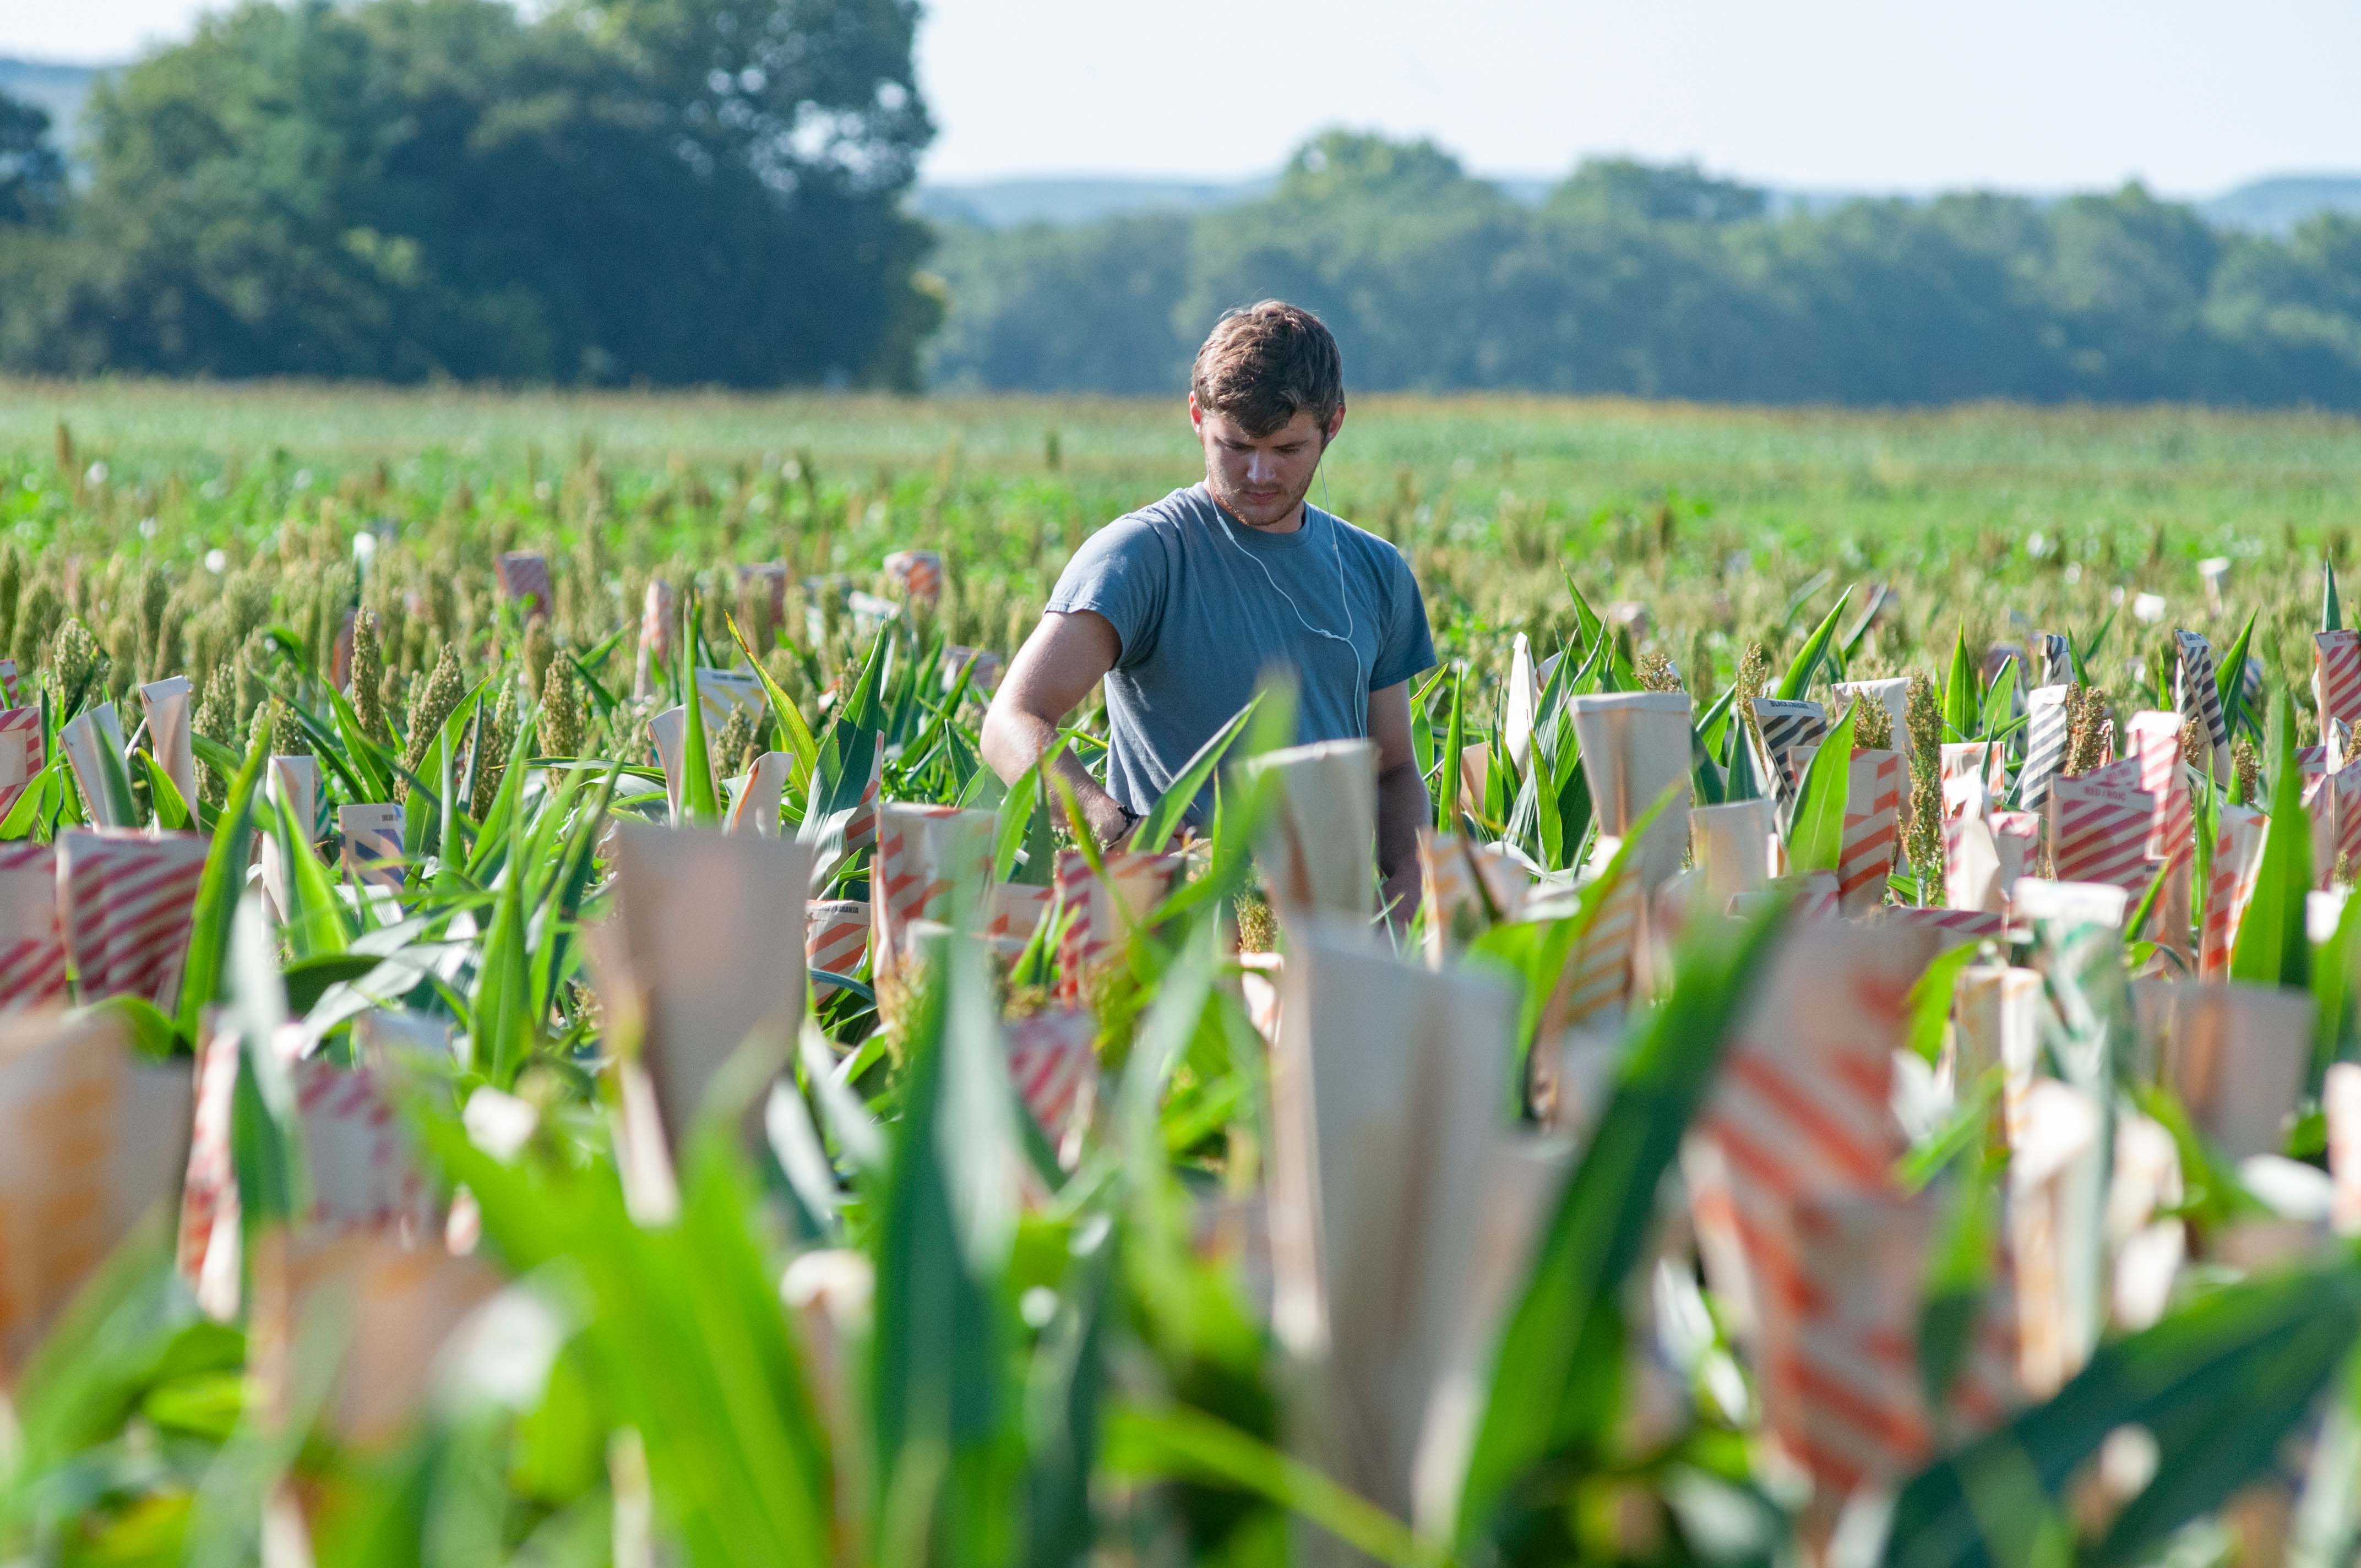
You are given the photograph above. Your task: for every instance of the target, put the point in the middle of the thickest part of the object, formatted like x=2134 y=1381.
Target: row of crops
x=528 y=1056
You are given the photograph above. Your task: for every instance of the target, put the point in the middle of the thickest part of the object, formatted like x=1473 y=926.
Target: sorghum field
x=528 y=1035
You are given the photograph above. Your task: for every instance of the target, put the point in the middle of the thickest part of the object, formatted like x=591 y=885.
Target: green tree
x=409 y=188
x=32 y=174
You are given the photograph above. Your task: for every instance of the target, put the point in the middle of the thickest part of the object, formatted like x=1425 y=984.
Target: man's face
x=1260 y=479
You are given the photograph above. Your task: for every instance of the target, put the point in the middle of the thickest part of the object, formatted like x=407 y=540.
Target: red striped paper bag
x=372 y=835
x=1458 y=880
x=861 y=827
x=92 y=1141
x=32 y=945
x=925 y=853
x=21 y=754
x=2100 y=833
x=918 y=573
x=1953 y=927
x=523 y=576
x=150 y=900
x=365 y=1171
x=1814 y=892
x=765 y=583
x=1016 y=910
x=2153 y=739
x=83 y=859
x=1053 y=1060
x=2336 y=678
x=2347 y=782
x=1841 y=1388
x=836 y=938
x=2237 y=856
x=169 y=703
x=1102 y=911
x=1871 y=830
x=208 y=1251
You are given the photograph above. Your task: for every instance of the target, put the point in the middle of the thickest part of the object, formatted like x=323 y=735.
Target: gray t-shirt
x=1204 y=605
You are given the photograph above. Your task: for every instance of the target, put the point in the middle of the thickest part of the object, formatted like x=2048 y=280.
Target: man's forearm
x=1402 y=810
x=1013 y=740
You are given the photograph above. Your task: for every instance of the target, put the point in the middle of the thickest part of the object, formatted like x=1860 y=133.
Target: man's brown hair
x=1264 y=364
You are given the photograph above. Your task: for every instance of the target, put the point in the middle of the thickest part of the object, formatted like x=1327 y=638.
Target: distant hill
x=2272 y=205
x=2279 y=203
x=60 y=88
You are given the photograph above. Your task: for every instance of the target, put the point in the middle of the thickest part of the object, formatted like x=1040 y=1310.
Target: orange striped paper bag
x=21 y=754
x=1100 y=912
x=2237 y=855
x=2100 y=833
x=1871 y=830
x=1053 y=1060
x=2336 y=678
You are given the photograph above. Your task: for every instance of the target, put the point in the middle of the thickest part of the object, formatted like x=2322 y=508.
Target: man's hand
x=1064 y=658
x=1402 y=806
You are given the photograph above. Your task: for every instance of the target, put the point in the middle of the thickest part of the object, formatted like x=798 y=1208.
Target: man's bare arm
x=1402 y=804
x=1065 y=657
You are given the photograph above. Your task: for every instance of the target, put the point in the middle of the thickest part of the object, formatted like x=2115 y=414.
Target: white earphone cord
x=1344 y=594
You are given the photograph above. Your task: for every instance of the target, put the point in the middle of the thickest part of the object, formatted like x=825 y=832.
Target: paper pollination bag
x=2336 y=678
x=668 y=731
x=1952 y=927
x=2236 y=1056
x=2099 y=833
x=1601 y=970
x=1053 y=1061
x=1997 y=1023
x=758 y=805
x=1466 y=888
x=2339 y=1099
x=2056 y=1174
x=397 y=1316
x=1319 y=844
x=1986 y=760
x=926 y=854
x=1732 y=844
x=918 y=573
x=836 y=938
x=1873 y=829
x=21 y=753
x=692 y=955
x=1790 y=732
x=1015 y=911
x=94 y=745
x=2045 y=744
x=2201 y=698
x=372 y=835
x=92 y=1139
x=1100 y=912
x=658 y=617
x=2237 y=857
x=1521 y=708
x=1635 y=747
x=126 y=901
x=32 y=943
x=524 y=578
x=1388 y=1089
x=1891 y=695
x=169 y=703
x=7 y=683
x=291 y=784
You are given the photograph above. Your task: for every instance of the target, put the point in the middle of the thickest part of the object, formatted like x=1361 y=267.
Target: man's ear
x=1196 y=414
x=1335 y=422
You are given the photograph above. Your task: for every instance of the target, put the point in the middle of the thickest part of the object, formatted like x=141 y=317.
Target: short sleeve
x=1406 y=646
x=1120 y=572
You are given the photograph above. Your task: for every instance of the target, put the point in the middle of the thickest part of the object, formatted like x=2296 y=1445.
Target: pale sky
x=2191 y=95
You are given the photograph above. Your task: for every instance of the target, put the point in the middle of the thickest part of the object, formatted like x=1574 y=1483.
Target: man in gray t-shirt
x=1182 y=606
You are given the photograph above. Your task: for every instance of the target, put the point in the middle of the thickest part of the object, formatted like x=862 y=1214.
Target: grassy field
x=1991 y=517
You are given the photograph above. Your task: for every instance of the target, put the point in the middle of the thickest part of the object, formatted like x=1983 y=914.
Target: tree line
x=716 y=192
x=606 y=191
x=1662 y=282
